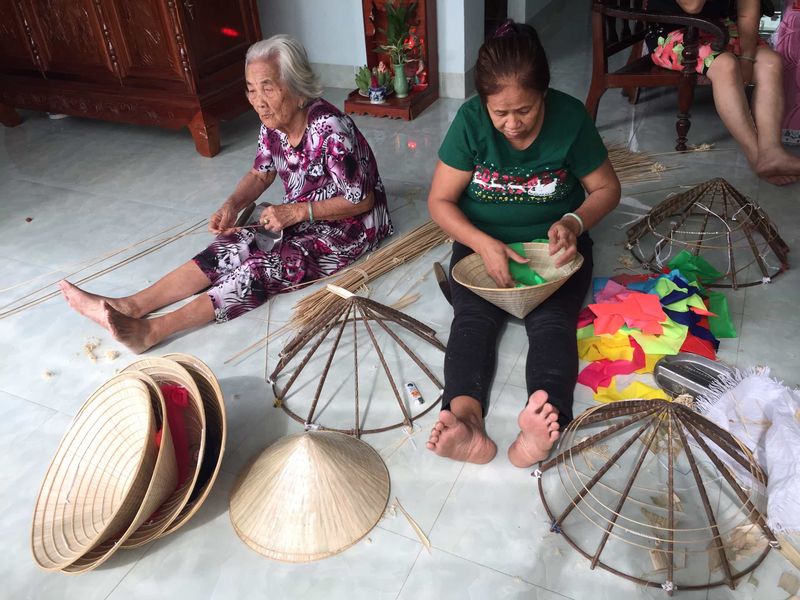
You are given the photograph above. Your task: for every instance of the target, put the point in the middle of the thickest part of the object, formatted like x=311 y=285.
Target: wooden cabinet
x=167 y=63
x=420 y=96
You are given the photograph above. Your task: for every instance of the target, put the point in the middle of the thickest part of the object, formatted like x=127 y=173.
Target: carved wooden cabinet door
x=18 y=48
x=149 y=42
x=74 y=41
x=219 y=33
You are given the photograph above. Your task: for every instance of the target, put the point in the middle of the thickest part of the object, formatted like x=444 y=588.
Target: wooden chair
x=621 y=24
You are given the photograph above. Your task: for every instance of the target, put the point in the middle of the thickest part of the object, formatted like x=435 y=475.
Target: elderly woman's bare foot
x=136 y=334
x=538 y=423
x=91 y=305
x=459 y=439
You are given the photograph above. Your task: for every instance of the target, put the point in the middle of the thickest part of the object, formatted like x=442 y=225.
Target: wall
x=331 y=30
x=333 y=34
x=523 y=11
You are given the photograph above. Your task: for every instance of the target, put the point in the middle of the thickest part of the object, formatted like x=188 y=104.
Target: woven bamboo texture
x=165 y=371
x=99 y=476
x=163 y=480
x=216 y=434
x=309 y=496
x=471 y=273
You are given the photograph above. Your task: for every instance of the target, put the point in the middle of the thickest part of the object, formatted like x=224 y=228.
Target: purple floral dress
x=332 y=160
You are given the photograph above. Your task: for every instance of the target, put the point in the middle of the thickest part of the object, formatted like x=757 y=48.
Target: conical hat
x=471 y=273
x=216 y=434
x=163 y=371
x=309 y=496
x=99 y=476
x=163 y=481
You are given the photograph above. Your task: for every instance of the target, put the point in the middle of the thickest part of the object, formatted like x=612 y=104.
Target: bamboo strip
x=404 y=248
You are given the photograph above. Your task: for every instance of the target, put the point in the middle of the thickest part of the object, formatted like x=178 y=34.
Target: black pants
x=552 y=363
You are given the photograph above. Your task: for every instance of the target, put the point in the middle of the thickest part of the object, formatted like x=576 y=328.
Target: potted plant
x=364 y=77
x=399 y=46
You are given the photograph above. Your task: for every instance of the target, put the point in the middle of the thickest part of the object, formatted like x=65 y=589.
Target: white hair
x=295 y=70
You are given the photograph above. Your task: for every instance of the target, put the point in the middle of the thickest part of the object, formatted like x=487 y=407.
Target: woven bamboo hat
x=163 y=480
x=216 y=434
x=471 y=273
x=165 y=371
x=309 y=496
x=101 y=471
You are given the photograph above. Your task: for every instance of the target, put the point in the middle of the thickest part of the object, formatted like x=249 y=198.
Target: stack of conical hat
x=309 y=496
x=114 y=479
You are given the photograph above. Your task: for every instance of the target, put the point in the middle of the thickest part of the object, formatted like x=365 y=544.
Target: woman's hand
x=223 y=221
x=495 y=255
x=277 y=217
x=563 y=235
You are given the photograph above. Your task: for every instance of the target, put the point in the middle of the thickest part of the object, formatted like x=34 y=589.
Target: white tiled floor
x=91 y=187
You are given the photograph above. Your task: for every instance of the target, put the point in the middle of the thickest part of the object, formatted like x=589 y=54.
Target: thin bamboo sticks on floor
x=403 y=249
x=634 y=167
x=35 y=298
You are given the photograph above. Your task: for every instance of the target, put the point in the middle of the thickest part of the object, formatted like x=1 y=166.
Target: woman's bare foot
x=538 y=423
x=459 y=439
x=91 y=305
x=136 y=334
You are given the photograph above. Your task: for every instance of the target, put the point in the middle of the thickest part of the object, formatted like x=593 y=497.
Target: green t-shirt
x=516 y=195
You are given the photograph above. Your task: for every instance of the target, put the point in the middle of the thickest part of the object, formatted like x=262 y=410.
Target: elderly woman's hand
x=223 y=221
x=563 y=236
x=277 y=217
x=495 y=255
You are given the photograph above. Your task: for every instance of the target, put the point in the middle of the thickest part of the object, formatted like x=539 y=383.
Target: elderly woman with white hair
x=334 y=210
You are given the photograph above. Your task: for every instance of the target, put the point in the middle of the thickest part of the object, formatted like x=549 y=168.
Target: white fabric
x=764 y=415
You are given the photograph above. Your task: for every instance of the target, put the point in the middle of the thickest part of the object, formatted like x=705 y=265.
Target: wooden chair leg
x=596 y=91
x=632 y=92
x=685 y=99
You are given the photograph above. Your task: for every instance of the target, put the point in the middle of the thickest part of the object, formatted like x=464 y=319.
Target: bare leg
x=731 y=103
x=761 y=146
x=181 y=283
x=539 y=430
x=774 y=162
x=141 y=334
x=460 y=434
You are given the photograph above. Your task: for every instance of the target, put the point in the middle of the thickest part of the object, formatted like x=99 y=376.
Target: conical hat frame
x=642 y=420
x=353 y=309
x=722 y=208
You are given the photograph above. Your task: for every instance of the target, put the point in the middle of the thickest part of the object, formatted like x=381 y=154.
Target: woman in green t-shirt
x=516 y=165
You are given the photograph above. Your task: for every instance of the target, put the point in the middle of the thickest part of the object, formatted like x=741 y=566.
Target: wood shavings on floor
x=90 y=346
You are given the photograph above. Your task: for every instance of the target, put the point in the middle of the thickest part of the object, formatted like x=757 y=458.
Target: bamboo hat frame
x=643 y=428
x=349 y=308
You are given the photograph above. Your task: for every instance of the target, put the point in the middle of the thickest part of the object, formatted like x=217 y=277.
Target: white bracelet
x=577 y=218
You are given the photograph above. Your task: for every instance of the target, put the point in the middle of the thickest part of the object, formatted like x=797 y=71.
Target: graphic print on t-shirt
x=496 y=186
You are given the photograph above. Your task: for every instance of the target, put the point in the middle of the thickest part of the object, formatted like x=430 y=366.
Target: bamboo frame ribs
x=688 y=435
x=712 y=218
x=356 y=310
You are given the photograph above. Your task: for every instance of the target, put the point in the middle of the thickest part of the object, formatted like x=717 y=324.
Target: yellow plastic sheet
x=612 y=347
